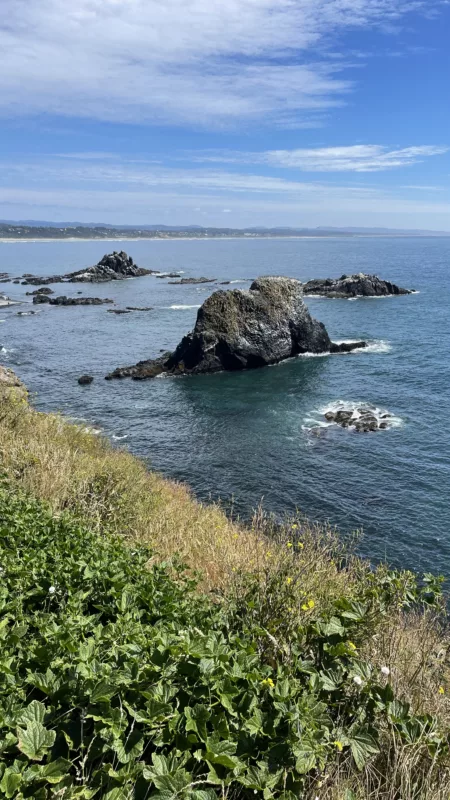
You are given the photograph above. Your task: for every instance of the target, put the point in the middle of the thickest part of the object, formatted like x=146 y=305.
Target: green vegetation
x=283 y=668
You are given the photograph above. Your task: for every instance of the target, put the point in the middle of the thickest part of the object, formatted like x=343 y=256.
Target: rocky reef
x=189 y=281
x=238 y=330
x=112 y=267
x=359 y=285
x=362 y=419
x=39 y=299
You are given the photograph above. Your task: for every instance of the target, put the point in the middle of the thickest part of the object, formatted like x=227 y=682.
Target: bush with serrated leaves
x=118 y=679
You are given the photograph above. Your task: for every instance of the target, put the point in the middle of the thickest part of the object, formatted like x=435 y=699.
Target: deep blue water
x=245 y=436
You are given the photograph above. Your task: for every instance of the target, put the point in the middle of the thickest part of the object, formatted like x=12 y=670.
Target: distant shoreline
x=35 y=240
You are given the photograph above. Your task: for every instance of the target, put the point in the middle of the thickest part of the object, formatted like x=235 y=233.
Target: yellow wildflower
x=236 y=536
x=300 y=545
x=311 y=604
x=294 y=526
x=441 y=690
x=351 y=646
x=289 y=544
x=339 y=746
x=268 y=554
x=308 y=606
x=268 y=682
x=288 y=581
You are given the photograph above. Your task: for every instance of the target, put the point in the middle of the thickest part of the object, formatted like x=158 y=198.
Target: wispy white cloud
x=193 y=61
x=353 y=158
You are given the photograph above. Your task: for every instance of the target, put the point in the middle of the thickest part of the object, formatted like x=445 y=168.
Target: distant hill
x=40 y=229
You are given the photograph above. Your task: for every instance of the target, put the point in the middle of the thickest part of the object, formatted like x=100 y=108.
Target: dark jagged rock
x=70 y=301
x=40 y=281
x=359 y=285
x=239 y=329
x=112 y=267
x=139 y=308
x=362 y=420
x=42 y=290
x=119 y=311
x=187 y=281
x=85 y=380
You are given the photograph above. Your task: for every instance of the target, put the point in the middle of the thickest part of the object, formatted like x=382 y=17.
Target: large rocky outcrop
x=238 y=330
x=359 y=285
x=112 y=267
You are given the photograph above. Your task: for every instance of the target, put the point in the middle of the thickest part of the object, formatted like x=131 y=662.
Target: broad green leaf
x=363 y=745
x=196 y=719
x=35 y=740
x=221 y=753
x=35 y=712
x=10 y=782
x=306 y=761
x=103 y=691
x=56 y=770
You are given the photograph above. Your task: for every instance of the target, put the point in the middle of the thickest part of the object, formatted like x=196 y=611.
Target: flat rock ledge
x=112 y=267
x=359 y=285
x=237 y=330
x=39 y=299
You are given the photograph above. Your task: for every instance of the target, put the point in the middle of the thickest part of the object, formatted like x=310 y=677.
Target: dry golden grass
x=73 y=469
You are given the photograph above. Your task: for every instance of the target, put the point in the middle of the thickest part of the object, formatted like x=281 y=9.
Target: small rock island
x=359 y=285
x=112 y=267
x=239 y=329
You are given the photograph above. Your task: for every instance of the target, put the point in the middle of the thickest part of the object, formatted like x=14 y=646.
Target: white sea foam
x=316 y=419
x=119 y=438
x=180 y=308
x=243 y=280
x=377 y=346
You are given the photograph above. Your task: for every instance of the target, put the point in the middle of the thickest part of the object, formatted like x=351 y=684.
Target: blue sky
x=226 y=112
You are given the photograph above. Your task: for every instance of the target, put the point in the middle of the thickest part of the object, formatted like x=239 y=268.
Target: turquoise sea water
x=247 y=436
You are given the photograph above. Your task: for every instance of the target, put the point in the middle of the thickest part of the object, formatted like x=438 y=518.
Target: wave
x=119 y=438
x=377 y=346
x=180 y=308
x=316 y=418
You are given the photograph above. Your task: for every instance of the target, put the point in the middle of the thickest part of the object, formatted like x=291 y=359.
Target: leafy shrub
x=120 y=680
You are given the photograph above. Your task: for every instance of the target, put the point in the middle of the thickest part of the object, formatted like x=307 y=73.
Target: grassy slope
x=269 y=576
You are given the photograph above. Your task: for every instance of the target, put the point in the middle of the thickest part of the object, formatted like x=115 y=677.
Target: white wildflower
x=52 y=590
x=357 y=680
x=385 y=670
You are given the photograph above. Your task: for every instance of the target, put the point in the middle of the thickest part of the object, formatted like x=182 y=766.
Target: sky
x=230 y=113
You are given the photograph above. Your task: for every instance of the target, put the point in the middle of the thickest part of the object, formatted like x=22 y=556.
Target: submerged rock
x=85 y=380
x=112 y=267
x=238 y=330
x=169 y=275
x=70 y=301
x=359 y=285
x=41 y=290
x=363 y=419
x=187 y=281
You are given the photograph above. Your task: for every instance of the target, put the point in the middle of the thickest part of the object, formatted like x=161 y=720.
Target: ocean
x=259 y=437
